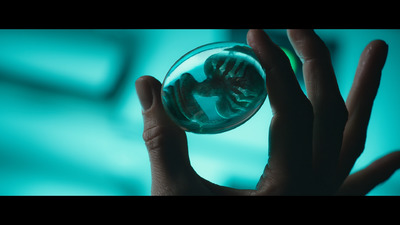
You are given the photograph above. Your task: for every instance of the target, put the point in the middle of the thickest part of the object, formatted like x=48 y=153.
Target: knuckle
x=154 y=137
x=163 y=136
x=319 y=54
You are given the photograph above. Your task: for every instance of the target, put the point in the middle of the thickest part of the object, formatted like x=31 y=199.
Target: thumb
x=165 y=141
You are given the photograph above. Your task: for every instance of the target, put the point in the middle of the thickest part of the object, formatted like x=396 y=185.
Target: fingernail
x=144 y=91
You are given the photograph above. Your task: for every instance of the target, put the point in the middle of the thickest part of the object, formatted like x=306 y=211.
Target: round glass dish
x=214 y=88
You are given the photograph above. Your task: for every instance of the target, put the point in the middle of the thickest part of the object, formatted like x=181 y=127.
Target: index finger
x=290 y=136
x=283 y=89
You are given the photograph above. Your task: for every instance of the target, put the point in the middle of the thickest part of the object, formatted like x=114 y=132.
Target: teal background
x=70 y=119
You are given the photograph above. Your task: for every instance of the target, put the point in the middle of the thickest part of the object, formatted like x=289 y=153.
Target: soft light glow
x=292 y=58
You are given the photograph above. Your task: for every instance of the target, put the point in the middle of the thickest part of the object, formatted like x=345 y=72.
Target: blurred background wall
x=70 y=120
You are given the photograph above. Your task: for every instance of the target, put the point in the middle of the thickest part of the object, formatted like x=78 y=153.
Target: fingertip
x=372 y=61
x=299 y=34
x=250 y=36
x=144 y=92
x=149 y=93
x=153 y=82
x=379 y=43
x=379 y=48
x=300 y=31
x=255 y=37
x=269 y=54
x=148 y=89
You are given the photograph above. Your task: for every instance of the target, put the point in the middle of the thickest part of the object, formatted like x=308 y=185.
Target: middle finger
x=330 y=113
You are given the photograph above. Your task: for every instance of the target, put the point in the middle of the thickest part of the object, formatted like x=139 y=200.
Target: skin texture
x=314 y=139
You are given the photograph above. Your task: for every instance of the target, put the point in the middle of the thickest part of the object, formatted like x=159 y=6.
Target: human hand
x=314 y=140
